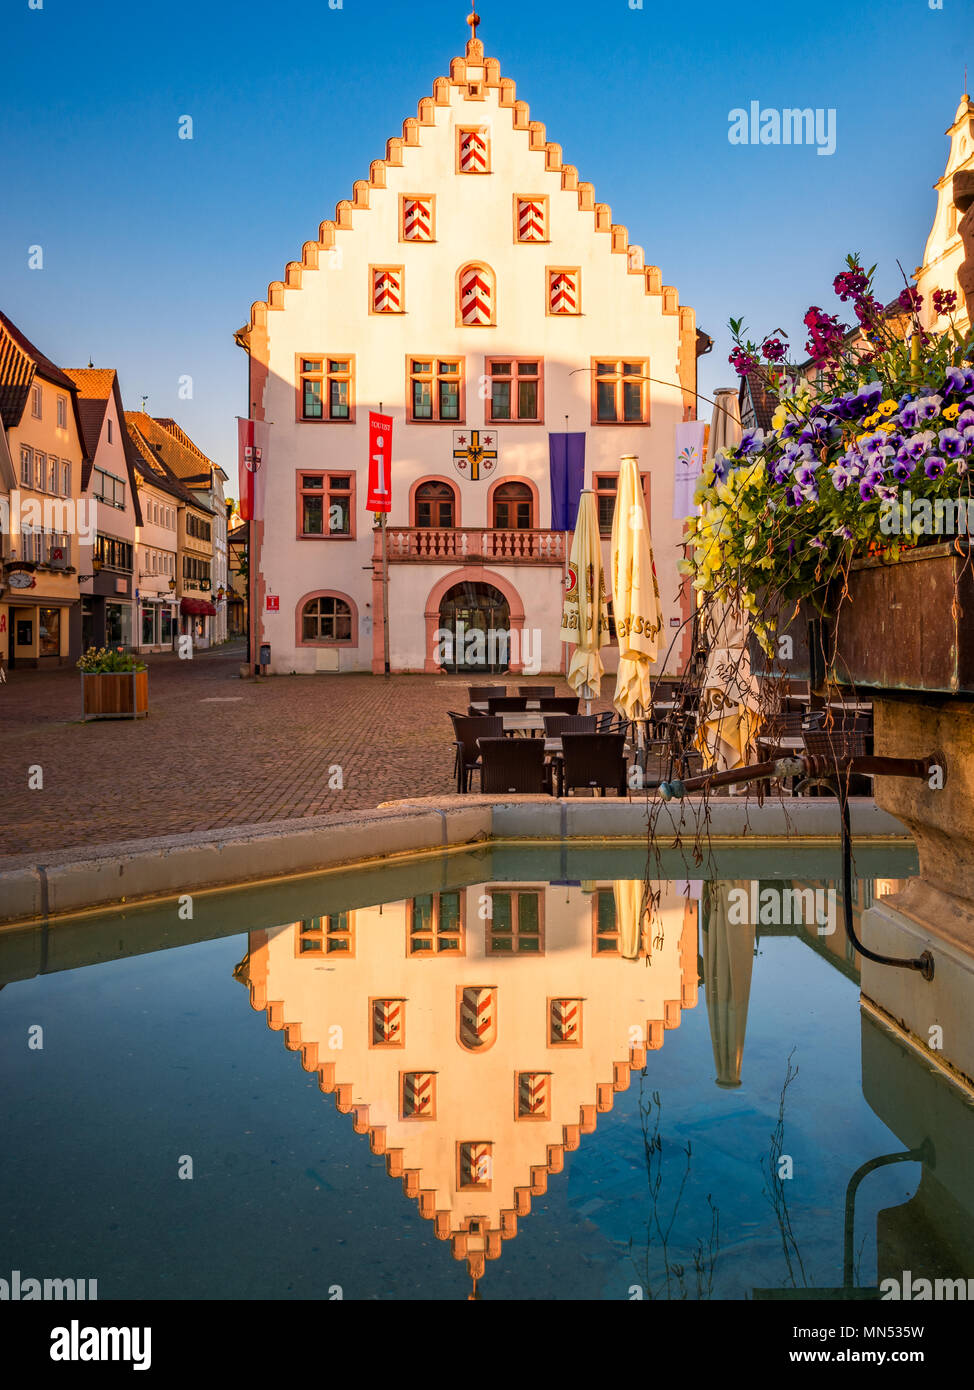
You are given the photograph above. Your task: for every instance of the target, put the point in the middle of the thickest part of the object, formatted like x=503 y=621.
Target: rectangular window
x=339 y=388
x=53 y=475
x=65 y=479
x=515 y=390
x=435 y=925
x=26 y=466
x=62 y=414
x=605 y=486
x=326 y=504
x=105 y=487
x=619 y=394
x=326 y=388
x=515 y=924
x=35 y=400
x=606 y=928
x=40 y=470
x=196 y=526
x=326 y=936
x=114 y=554
x=109 y=431
x=435 y=389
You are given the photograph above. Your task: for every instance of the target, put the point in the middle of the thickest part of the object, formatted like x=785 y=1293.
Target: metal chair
x=596 y=761
x=511 y=765
x=466 y=730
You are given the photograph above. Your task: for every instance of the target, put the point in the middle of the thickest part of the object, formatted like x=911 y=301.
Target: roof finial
x=473 y=19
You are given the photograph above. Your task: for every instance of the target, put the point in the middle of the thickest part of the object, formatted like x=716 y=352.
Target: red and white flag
x=380 y=463
x=251 y=466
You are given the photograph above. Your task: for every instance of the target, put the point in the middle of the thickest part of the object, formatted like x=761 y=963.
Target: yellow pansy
x=952 y=412
x=887 y=408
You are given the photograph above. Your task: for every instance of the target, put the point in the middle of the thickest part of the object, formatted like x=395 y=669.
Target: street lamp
x=96 y=566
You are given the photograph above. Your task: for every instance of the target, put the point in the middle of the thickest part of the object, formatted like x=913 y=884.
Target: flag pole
x=385 y=583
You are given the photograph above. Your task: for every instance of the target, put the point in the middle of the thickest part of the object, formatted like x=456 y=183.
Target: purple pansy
x=952 y=444
x=934 y=466
x=958 y=380
x=928 y=407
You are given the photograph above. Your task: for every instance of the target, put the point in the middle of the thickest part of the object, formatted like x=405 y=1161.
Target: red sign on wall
x=380 y=463
x=273 y=603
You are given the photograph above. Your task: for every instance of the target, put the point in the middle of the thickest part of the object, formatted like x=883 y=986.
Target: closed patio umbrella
x=631 y=908
x=635 y=594
x=585 y=614
x=728 y=959
x=727 y=721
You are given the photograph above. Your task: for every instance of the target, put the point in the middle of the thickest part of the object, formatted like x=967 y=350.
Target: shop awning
x=197 y=608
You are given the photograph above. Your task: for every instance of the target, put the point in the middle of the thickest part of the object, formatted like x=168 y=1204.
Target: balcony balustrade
x=473 y=545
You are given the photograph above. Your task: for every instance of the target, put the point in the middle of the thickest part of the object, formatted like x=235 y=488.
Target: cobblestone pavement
x=217 y=751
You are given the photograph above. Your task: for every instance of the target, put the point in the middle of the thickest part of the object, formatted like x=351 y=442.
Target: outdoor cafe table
x=522 y=721
x=482 y=707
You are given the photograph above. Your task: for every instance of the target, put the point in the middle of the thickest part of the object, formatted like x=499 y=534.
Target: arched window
x=435 y=505
x=326 y=619
x=513 y=507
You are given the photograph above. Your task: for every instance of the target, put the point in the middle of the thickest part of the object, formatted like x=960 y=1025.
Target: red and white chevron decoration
x=478 y=1017
x=566 y=1021
x=473 y=151
x=530 y=220
x=563 y=291
x=418 y=1095
x=417 y=219
x=533 y=1094
x=476 y=296
x=388 y=1022
x=387 y=291
x=476 y=1161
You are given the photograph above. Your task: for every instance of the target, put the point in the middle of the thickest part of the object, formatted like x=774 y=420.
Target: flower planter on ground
x=115 y=694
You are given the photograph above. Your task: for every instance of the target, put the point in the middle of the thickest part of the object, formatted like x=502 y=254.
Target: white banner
x=688 y=466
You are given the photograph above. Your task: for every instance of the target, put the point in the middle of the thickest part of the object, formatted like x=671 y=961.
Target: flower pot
x=907 y=625
x=114 y=695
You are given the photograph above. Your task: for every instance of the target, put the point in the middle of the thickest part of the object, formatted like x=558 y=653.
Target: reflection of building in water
x=476 y=1034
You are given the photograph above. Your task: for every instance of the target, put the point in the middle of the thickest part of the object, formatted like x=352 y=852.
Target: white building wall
x=329 y=315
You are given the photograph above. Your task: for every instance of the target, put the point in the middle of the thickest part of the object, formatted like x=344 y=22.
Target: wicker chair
x=466 y=730
x=555 y=725
x=481 y=693
x=832 y=743
x=535 y=692
x=512 y=765
x=507 y=704
x=559 y=704
x=597 y=761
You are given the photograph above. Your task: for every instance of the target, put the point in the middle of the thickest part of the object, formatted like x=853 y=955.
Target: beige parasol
x=728 y=955
x=585 y=616
x=635 y=594
x=631 y=913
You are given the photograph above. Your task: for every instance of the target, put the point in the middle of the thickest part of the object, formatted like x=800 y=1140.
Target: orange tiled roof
x=152 y=464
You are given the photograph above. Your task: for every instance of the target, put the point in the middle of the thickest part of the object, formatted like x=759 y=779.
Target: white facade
x=334 y=309
x=156 y=556
x=944 y=252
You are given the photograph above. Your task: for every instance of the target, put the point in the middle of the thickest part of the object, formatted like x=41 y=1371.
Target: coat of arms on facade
x=474 y=452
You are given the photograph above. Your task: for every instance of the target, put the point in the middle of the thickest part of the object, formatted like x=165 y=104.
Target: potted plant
x=855 y=504
x=113 y=684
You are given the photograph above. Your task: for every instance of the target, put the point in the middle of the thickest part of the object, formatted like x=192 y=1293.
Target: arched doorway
x=474 y=629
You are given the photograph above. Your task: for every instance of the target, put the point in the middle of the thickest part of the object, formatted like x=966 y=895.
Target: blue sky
x=155 y=247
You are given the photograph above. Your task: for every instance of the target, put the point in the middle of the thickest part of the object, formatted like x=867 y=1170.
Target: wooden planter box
x=115 y=695
x=908 y=626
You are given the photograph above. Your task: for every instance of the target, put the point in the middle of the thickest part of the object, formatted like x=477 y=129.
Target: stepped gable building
x=475 y=290
x=943 y=255
x=108 y=481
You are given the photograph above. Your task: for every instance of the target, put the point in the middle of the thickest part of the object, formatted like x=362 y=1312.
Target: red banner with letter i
x=380 y=463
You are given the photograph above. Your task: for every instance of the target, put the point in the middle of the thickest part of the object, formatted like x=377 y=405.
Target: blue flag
x=566 y=453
